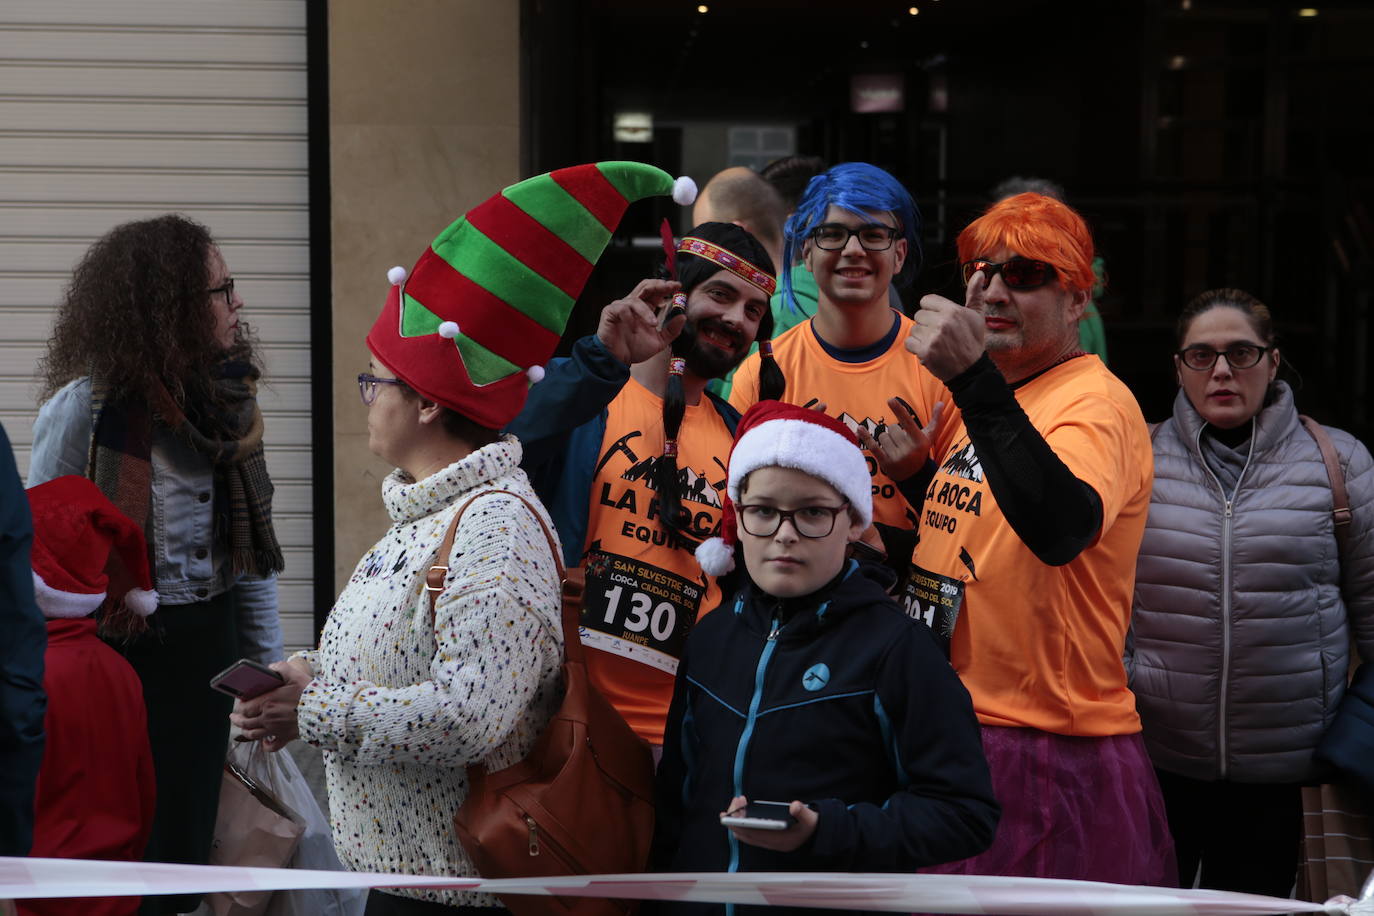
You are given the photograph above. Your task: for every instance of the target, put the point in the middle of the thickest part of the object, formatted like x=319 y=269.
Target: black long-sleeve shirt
x=1054 y=512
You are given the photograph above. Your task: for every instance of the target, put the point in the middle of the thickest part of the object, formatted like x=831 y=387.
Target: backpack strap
x=1340 y=500
x=434 y=579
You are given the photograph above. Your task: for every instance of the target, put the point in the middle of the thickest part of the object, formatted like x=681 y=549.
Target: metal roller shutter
x=123 y=109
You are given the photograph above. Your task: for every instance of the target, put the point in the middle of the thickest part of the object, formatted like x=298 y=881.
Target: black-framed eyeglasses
x=227 y=288
x=1201 y=357
x=367 y=386
x=835 y=236
x=1017 y=272
x=809 y=521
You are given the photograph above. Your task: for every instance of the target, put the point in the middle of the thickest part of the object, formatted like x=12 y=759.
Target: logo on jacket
x=816 y=677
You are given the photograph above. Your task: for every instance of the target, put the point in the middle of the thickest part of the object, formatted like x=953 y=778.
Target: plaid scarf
x=225 y=428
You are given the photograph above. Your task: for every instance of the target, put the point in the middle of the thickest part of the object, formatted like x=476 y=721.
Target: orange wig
x=1034 y=226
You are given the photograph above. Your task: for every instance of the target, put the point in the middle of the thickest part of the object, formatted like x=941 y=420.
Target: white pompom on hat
x=684 y=191
x=85 y=550
x=775 y=434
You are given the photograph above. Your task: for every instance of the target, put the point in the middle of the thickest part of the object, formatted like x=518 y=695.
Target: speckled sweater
x=402 y=702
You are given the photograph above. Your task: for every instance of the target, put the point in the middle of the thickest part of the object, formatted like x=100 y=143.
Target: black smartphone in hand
x=760 y=815
x=245 y=679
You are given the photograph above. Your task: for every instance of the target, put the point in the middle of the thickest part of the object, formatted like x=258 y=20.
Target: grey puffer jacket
x=1239 y=646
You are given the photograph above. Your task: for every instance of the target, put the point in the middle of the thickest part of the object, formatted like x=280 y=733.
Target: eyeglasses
x=1017 y=273
x=227 y=289
x=1240 y=356
x=809 y=521
x=836 y=236
x=367 y=386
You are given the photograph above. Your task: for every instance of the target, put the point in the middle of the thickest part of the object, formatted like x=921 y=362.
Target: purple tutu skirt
x=1078 y=808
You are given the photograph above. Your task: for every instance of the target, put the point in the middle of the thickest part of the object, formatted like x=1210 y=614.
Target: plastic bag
x=316 y=850
x=254 y=826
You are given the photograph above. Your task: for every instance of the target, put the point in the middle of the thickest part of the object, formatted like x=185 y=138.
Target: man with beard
x=628 y=451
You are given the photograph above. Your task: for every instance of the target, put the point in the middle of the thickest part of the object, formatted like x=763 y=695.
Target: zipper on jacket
x=1226 y=522
x=742 y=748
x=534 y=835
x=1227 y=529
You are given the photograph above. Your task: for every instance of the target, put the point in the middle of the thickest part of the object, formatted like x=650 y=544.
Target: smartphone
x=761 y=815
x=245 y=679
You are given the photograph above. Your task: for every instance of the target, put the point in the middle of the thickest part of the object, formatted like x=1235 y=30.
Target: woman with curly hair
x=150 y=384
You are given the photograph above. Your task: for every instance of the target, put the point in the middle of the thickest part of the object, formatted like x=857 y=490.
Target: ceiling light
x=912 y=11
x=703 y=8
x=1307 y=12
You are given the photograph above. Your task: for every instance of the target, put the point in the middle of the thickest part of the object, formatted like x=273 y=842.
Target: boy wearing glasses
x=1027 y=548
x=811 y=687
x=856 y=230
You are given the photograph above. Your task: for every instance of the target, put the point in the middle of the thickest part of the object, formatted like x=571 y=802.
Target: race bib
x=638 y=611
x=934 y=600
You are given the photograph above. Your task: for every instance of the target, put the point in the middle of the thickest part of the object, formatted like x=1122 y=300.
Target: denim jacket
x=189 y=563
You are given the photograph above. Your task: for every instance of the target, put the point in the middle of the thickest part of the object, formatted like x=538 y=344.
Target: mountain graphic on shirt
x=691 y=486
x=875 y=427
x=964 y=463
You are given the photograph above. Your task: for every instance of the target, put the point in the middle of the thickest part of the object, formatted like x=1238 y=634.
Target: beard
x=707 y=360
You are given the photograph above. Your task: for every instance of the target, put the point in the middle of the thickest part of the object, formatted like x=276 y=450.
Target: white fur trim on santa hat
x=535 y=374
x=396 y=275
x=684 y=191
x=54 y=603
x=715 y=556
x=448 y=329
x=807 y=447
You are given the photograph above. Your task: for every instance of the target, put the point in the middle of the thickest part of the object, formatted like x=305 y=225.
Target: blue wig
x=857 y=187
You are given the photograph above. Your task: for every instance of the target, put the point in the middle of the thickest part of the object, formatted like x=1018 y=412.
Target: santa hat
x=85 y=550
x=472 y=324
x=774 y=434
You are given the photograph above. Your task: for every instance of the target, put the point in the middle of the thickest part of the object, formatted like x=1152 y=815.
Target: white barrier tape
x=982 y=895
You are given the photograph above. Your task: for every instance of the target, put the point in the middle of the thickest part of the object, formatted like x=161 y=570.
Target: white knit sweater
x=402 y=702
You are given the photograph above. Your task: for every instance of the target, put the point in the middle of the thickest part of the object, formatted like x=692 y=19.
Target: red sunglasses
x=1017 y=272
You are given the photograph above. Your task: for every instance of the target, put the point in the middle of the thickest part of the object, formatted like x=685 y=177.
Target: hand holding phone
x=780 y=826
x=760 y=815
x=245 y=679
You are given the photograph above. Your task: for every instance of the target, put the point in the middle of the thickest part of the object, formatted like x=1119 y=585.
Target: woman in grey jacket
x=150 y=381
x=1244 y=607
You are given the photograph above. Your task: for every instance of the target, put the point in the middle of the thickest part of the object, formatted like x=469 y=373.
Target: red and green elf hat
x=483 y=309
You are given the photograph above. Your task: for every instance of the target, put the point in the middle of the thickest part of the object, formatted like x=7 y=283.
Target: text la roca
x=956 y=498
x=704 y=523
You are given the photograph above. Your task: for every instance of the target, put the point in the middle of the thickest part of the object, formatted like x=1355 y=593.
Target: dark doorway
x=1209 y=144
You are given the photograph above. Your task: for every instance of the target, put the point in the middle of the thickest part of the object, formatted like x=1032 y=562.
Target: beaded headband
x=731 y=262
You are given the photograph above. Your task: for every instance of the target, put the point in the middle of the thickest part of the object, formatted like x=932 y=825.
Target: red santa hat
x=85 y=551
x=774 y=434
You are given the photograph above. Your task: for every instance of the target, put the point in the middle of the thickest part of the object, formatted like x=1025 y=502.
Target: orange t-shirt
x=856 y=393
x=644 y=586
x=1039 y=646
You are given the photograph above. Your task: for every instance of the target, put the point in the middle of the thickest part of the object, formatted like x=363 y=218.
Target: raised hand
x=902 y=449
x=948 y=337
x=631 y=328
